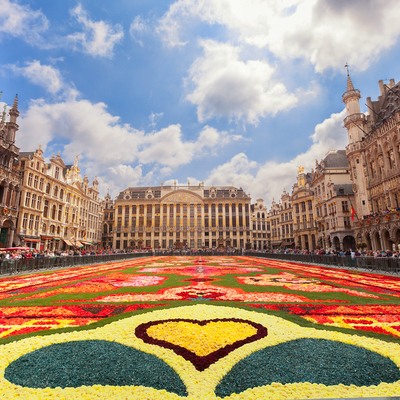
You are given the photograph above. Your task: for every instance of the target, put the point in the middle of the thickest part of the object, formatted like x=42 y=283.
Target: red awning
x=31 y=240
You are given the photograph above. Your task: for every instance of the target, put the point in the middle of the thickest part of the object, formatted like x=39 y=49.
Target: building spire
x=15 y=105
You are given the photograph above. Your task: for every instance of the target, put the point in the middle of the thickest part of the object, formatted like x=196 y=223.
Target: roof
x=26 y=154
x=337 y=160
x=343 y=189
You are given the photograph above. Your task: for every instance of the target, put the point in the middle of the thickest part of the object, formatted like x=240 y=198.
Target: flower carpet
x=199 y=328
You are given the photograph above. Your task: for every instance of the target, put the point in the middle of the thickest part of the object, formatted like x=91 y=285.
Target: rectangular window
x=117 y=244
x=27 y=199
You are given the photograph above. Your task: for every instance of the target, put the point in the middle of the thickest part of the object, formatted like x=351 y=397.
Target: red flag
x=353 y=213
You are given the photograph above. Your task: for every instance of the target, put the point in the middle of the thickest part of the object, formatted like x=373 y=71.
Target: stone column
x=5 y=191
x=303 y=242
x=310 y=243
x=10 y=237
x=341 y=243
x=17 y=197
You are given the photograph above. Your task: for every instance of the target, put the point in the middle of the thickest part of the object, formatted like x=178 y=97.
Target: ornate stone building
x=58 y=210
x=374 y=156
x=304 y=226
x=260 y=226
x=108 y=221
x=182 y=216
x=10 y=179
x=281 y=218
x=333 y=196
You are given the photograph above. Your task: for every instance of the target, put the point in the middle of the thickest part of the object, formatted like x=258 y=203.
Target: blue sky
x=225 y=92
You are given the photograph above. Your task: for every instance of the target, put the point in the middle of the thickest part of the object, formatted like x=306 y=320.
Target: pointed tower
x=12 y=125
x=355 y=123
x=355 y=120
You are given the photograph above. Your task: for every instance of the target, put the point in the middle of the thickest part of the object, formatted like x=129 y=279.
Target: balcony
x=354 y=118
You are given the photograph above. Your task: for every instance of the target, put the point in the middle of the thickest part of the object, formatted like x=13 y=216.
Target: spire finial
x=347 y=67
x=15 y=105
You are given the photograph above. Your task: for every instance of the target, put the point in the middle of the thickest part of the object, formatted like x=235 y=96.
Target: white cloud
x=269 y=179
x=226 y=86
x=41 y=75
x=98 y=38
x=107 y=147
x=154 y=118
x=137 y=28
x=327 y=33
x=21 y=21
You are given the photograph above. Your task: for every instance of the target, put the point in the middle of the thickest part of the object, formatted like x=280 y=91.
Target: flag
x=353 y=213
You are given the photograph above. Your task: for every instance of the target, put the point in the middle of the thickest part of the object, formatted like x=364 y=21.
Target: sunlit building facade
x=181 y=217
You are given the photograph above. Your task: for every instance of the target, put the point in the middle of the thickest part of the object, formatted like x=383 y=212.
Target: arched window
x=258 y=215
x=46 y=209
x=58 y=230
x=262 y=215
x=48 y=188
x=68 y=197
x=44 y=227
x=66 y=232
x=61 y=194
x=52 y=229
x=55 y=191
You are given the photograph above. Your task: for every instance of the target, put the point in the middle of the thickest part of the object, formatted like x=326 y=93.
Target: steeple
x=354 y=122
x=350 y=86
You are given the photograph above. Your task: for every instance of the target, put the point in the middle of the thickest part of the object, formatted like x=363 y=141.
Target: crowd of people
x=382 y=213
x=332 y=252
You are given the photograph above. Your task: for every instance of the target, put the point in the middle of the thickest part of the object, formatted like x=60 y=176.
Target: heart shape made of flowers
x=201 y=342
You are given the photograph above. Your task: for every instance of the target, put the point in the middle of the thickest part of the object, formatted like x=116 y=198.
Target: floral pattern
x=204 y=383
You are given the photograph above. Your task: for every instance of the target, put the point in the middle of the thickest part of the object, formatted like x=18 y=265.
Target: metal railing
x=379 y=264
x=12 y=266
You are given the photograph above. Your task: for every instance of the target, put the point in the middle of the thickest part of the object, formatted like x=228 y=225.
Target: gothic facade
x=374 y=157
x=10 y=179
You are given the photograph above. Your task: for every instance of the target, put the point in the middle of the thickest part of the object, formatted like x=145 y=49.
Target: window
x=33 y=204
x=46 y=209
x=37 y=222
x=25 y=220
x=30 y=177
x=61 y=194
x=41 y=184
x=55 y=191
x=44 y=228
x=39 y=202
x=30 y=226
x=48 y=188
x=53 y=212
x=59 y=212
x=57 y=174
x=27 y=199
x=36 y=182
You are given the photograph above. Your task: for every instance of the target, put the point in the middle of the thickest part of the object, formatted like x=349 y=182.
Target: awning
x=78 y=244
x=68 y=243
x=31 y=240
x=47 y=238
x=57 y=238
x=85 y=242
